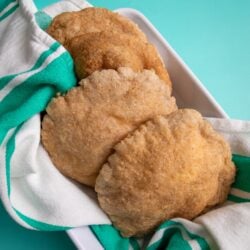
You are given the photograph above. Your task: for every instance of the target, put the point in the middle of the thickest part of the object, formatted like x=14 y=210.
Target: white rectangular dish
x=187 y=89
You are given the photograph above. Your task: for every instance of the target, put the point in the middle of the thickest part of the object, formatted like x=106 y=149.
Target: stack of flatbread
x=121 y=132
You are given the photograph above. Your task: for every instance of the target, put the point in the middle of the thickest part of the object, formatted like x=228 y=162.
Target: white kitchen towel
x=34 y=67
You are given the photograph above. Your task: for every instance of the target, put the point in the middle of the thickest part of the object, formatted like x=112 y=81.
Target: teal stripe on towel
x=237 y=199
x=110 y=238
x=33 y=95
x=40 y=225
x=43 y=20
x=6 y=79
x=9 y=12
x=10 y=147
x=242 y=180
x=5 y=3
x=171 y=237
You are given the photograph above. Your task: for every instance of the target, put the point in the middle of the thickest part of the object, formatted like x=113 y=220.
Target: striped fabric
x=34 y=68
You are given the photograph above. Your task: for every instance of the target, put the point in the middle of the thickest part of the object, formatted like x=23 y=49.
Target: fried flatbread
x=81 y=127
x=111 y=50
x=71 y=24
x=173 y=166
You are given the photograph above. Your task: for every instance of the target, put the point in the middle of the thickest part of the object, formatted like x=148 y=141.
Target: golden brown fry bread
x=81 y=128
x=111 y=50
x=173 y=166
x=70 y=24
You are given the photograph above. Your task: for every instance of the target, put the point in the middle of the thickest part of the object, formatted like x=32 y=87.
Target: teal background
x=212 y=37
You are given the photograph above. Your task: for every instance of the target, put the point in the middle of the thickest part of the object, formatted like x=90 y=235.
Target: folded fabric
x=34 y=68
